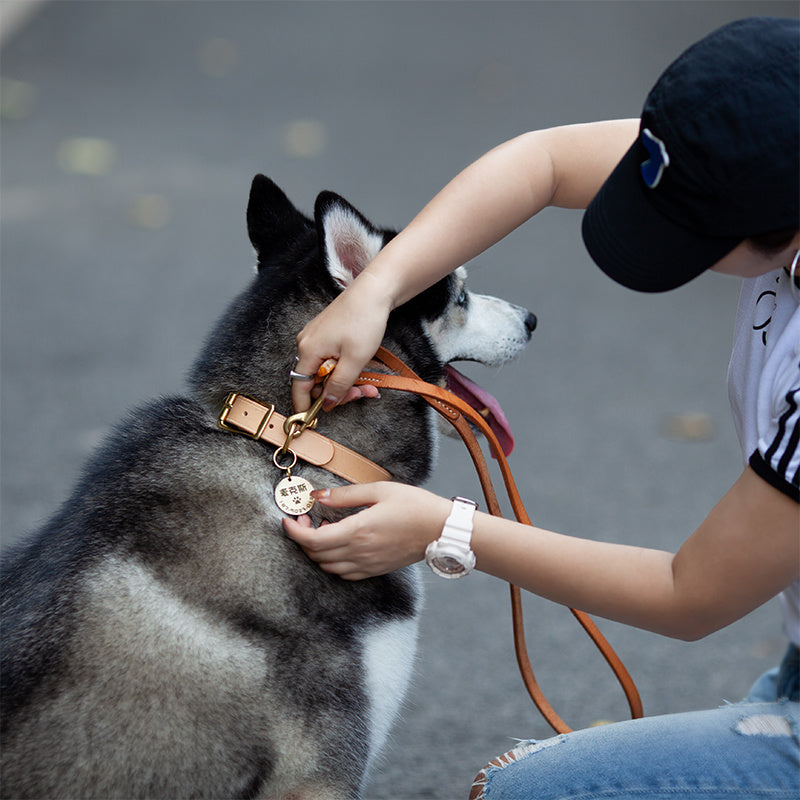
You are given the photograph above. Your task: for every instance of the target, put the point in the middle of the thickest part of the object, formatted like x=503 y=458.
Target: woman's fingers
x=326 y=545
x=304 y=392
x=318 y=542
x=354 y=495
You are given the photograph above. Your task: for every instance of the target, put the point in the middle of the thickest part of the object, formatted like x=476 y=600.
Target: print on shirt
x=765 y=306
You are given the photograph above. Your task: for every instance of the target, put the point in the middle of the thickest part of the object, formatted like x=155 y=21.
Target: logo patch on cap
x=653 y=168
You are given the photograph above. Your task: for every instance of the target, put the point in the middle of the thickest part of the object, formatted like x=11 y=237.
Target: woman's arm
x=556 y=167
x=745 y=552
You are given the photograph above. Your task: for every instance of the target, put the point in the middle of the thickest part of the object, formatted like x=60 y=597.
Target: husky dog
x=161 y=636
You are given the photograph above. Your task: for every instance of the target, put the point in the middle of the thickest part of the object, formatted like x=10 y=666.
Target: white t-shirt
x=764 y=390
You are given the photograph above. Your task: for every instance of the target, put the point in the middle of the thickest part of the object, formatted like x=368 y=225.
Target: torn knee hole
x=523 y=749
x=764 y=725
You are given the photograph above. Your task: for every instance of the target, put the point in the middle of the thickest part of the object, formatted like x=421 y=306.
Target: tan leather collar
x=263 y=422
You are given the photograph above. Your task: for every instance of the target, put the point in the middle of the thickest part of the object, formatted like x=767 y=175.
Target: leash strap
x=460 y=414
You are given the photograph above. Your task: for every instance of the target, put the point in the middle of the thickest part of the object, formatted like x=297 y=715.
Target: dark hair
x=772 y=241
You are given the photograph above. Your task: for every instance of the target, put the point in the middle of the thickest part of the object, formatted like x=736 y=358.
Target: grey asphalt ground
x=130 y=134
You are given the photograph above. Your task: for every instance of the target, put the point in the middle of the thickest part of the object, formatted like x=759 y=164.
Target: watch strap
x=458 y=525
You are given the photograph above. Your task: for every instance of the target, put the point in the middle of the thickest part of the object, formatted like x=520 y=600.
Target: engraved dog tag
x=293 y=495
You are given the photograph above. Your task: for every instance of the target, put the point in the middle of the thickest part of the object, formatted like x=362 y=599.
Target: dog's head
x=303 y=264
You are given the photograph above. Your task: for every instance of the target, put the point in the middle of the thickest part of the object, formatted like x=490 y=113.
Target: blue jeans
x=749 y=749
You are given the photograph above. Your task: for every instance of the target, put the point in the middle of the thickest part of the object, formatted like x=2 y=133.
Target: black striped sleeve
x=779 y=464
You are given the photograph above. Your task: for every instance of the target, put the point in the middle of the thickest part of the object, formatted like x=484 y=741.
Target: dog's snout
x=530 y=323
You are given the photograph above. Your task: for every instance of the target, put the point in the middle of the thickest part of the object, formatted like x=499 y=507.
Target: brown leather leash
x=460 y=414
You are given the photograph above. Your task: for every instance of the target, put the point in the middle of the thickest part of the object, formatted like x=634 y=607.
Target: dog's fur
x=161 y=635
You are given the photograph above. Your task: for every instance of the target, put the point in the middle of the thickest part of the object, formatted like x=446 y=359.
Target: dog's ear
x=347 y=238
x=272 y=219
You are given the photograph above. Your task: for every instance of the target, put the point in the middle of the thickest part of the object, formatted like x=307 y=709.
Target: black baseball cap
x=717 y=159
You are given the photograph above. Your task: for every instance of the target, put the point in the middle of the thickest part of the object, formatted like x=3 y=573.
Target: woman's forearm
x=497 y=193
x=618 y=582
x=721 y=572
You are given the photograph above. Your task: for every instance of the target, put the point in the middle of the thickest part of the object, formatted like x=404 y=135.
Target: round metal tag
x=293 y=495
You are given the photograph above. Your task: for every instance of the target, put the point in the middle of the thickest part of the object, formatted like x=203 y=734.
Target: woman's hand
x=394 y=529
x=350 y=331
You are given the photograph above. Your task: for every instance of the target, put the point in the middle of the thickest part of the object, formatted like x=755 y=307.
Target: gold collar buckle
x=222 y=420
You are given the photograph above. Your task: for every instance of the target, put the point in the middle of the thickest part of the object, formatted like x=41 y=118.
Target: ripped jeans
x=749 y=749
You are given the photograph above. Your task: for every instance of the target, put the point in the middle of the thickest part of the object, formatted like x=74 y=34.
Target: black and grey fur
x=161 y=637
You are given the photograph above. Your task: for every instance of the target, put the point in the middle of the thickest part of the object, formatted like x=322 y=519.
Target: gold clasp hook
x=297 y=423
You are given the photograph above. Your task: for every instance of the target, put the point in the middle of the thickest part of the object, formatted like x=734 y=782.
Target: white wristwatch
x=450 y=555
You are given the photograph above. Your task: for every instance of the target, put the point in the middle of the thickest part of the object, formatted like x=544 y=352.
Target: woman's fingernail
x=329 y=402
x=321 y=494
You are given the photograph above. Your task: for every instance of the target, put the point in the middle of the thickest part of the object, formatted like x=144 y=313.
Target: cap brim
x=636 y=245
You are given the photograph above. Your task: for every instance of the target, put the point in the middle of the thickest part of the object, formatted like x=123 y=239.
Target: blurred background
x=130 y=134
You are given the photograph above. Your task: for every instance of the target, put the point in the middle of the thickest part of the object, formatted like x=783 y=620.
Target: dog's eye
x=461 y=300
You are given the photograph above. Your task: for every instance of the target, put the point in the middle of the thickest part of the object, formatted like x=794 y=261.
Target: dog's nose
x=530 y=323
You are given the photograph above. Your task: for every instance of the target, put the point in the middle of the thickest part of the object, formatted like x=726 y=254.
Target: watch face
x=448 y=565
